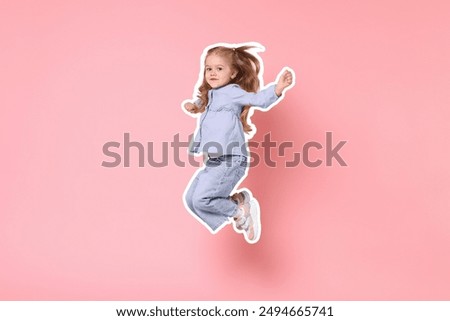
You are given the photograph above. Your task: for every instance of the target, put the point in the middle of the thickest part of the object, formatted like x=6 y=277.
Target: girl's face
x=218 y=71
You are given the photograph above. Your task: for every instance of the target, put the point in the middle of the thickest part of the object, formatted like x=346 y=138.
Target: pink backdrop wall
x=77 y=75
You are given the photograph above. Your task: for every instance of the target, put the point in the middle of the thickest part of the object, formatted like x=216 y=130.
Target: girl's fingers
x=288 y=76
x=286 y=79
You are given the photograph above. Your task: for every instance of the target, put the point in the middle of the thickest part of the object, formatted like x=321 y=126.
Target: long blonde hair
x=247 y=67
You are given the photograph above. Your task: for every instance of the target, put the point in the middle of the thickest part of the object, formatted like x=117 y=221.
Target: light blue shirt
x=220 y=130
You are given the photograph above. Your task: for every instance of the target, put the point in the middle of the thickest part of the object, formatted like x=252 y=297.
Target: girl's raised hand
x=284 y=81
x=190 y=107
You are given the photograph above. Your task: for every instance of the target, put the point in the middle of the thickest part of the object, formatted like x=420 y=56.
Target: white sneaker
x=249 y=222
x=255 y=223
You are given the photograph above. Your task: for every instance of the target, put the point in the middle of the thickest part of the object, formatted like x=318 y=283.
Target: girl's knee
x=200 y=204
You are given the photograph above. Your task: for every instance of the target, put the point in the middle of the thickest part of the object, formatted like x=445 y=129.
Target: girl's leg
x=208 y=198
x=211 y=198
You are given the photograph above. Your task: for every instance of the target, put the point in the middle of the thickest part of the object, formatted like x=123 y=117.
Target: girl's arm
x=265 y=97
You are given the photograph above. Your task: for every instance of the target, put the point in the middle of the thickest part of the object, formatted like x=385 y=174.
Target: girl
x=228 y=87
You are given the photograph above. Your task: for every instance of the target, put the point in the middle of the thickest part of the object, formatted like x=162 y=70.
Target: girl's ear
x=234 y=74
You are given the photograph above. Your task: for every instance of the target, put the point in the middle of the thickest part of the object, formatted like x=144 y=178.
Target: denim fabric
x=220 y=129
x=208 y=197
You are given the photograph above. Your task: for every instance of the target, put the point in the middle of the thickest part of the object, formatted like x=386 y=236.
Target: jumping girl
x=228 y=88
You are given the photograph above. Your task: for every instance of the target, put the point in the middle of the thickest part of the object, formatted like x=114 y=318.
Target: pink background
x=75 y=75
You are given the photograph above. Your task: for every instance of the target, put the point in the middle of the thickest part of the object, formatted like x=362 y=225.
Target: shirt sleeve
x=263 y=98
